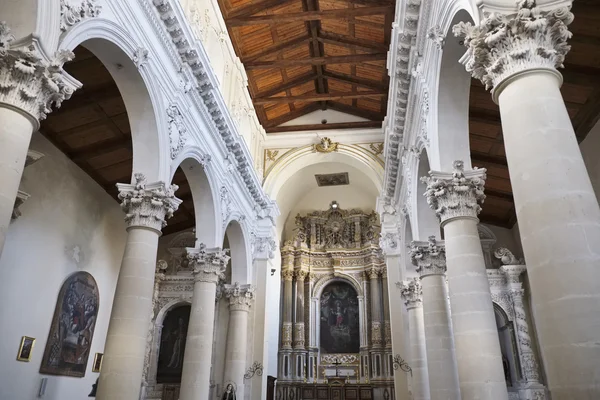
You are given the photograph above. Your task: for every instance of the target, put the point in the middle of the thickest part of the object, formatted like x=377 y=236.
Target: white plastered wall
x=69 y=224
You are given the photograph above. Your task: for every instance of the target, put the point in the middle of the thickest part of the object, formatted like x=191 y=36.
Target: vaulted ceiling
x=306 y=55
x=581 y=92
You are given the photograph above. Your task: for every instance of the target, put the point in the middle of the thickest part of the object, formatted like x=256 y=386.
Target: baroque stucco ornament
x=177 y=131
x=29 y=81
x=240 y=297
x=503 y=45
x=455 y=195
x=147 y=204
x=412 y=293
x=208 y=265
x=429 y=258
x=72 y=14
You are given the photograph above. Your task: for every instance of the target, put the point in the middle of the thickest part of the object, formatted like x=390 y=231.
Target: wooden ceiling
x=581 y=92
x=92 y=129
x=306 y=55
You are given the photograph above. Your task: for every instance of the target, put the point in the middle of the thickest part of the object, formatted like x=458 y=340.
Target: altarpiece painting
x=340 y=332
x=72 y=330
x=172 y=345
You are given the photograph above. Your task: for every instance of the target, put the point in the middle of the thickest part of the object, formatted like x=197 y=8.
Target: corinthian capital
x=148 y=204
x=240 y=297
x=287 y=274
x=30 y=81
x=504 y=45
x=429 y=258
x=457 y=194
x=412 y=293
x=208 y=265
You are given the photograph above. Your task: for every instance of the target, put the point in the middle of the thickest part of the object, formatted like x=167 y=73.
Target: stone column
x=208 y=268
x=412 y=294
x=240 y=298
x=376 y=312
x=430 y=260
x=455 y=197
x=529 y=363
x=286 y=333
x=146 y=206
x=557 y=210
x=30 y=87
x=299 y=324
x=263 y=252
x=387 y=330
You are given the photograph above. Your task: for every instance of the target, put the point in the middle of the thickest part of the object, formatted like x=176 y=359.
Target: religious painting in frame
x=70 y=338
x=25 y=348
x=172 y=345
x=97 y=364
x=339 y=328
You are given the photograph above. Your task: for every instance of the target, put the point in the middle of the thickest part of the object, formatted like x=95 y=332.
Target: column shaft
x=235 y=355
x=299 y=339
x=123 y=362
x=478 y=353
x=441 y=360
x=376 y=312
x=286 y=333
x=261 y=323
x=559 y=222
x=15 y=135
x=387 y=330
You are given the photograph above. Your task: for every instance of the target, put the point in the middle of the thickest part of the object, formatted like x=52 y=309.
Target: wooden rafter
x=318 y=97
x=342 y=40
x=317 y=61
x=291 y=115
x=359 y=112
x=254 y=8
x=367 y=83
x=290 y=44
x=314 y=127
x=288 y=85
x=316 y=50
x=309 y=16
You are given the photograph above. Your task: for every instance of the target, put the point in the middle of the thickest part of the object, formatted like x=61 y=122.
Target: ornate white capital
x=263 y=248
x=240 y=297
x=457 y=194
x=429 y=258
x=513 y=273
x=147 y=204
x=507 y=257
x=504 y=45
x=208 y=265
x=29 y=81
x=412 y=292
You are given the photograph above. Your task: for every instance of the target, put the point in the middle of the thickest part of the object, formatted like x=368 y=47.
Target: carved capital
x=412 y=292
x=148 y=204
x=373 y=273
x=429 y=258
x=287 y=274
x=504 y=45
x=263 y=248
x=455 y=195
x=513 y=274
x=29 y=81
x=507 y=257
x=208 y=265
x=240 y=297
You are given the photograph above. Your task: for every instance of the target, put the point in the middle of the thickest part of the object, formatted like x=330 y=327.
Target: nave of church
x=300 y=199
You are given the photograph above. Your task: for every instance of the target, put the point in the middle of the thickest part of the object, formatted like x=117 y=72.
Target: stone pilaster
x=299 y=339
x=430 y=260
x=557 y=210
x=241 y=298
x=286 y=332
x=376 y=312
x=31 y=83
x=413 y=299
x=208 y=268
x=146 y=206
x=456 y=197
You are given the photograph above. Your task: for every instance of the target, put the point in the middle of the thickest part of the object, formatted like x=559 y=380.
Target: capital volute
x=240 y=297
x=412 y=293
x=455 y=195
x=429 y=257
x=287 y=274
x=502 y=46
x=148 y=205
x=29 y=80
x=208 y=265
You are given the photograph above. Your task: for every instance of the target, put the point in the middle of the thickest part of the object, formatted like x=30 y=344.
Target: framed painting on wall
x=70 y=337
x=26 y=348
x=97 y=365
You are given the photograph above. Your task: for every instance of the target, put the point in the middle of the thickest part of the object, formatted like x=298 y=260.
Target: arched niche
x=339 y=313
x=507 y=339
x=115 y=48
x=203 y=191
x=172 y=344
x=238 y=250
x=426 y=223
x=452 y=139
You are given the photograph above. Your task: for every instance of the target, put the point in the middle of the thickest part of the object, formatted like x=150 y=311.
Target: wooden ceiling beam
x=368 y=2
x=359 y=112
x=318 y=127
x=288 y=85
x=317 y=97
x=316 y=47
x=367 y=83
x=98 y=149
x=314 y=15
x=500 y=161
x=351 y=59
x=342 y=40
x=291 y=115
x=290 y=44
x=254 y=8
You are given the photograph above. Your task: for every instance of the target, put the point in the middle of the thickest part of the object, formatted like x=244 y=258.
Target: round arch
x=143 y=99
x=204 y=190
x=327 y=279
x=241 y=270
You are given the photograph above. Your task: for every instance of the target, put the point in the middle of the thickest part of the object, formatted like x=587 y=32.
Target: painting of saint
x=172 y=345
x=340 y=331
x=70 y=338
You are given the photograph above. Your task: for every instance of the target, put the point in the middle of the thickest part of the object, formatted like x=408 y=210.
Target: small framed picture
x=97 y=362
x=25 y=349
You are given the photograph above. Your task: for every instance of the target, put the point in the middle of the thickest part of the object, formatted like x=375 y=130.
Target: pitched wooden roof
x=304 y=55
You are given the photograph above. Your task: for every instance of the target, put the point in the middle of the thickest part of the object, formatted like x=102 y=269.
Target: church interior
x=300 y=199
